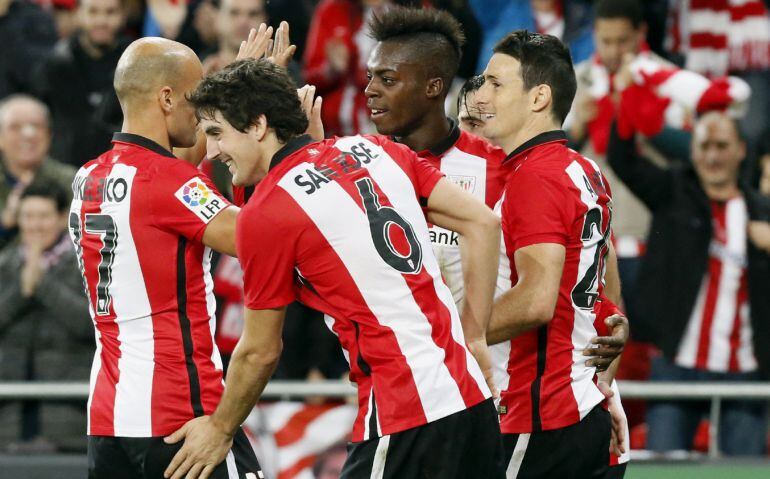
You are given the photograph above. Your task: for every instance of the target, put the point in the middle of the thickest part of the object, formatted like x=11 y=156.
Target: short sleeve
x=266 y=250
x=535 y=211
x=421 y=172
x=427 y=176
x=185 y=201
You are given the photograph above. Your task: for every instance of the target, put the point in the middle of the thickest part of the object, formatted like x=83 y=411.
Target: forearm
x=480 y=256
x=612 y=277
x=608 y=375
x=247 y=376
x=513 y=314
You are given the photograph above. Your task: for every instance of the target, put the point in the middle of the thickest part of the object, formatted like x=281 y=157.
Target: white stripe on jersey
x=346 y=229
x=76 y=208
x=688 y=345
x=232 y=469
x=401 y=196
x=746 y=359
x=501 y=353
x=470 y=173
x=133 y=393
x=587 y=395
x=736 y=219
x=211 y=307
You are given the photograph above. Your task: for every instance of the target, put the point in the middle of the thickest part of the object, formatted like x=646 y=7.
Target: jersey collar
x=290 y=147
x=141 y=141
x=547 y=137
x=444 y=144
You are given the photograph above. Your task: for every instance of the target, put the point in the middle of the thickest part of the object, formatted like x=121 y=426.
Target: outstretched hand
x=260 y=44
x=311 y=105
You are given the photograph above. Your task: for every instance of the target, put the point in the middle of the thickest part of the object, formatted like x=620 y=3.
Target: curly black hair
x=247 y=89
x=435 y=38
x=545 y=60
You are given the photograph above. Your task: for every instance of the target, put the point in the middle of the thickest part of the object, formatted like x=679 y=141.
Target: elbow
x=489 y=223
x=540 y=313
x=264 y=358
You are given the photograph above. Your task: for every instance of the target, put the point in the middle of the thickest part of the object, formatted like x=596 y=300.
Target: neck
x=271 y=146
x=539 y=124
x=91 y=49
x=22 y=173
x=148 y=127
x=722 y=192
x=433 y=129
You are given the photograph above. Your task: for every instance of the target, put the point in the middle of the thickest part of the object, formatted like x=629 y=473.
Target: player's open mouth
x=377 y=112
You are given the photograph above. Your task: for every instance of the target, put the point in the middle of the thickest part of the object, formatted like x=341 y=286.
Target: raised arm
x=650 y=183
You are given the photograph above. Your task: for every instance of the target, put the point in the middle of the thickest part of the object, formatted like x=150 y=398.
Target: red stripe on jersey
x=436 y=312
x=712 y=293
x=390 y=398
x=716 y=41
x=735 y=335
x=101 y=413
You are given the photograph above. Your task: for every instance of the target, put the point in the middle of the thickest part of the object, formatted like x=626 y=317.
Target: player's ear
x=260 y=127
x=540 y=97
x=434 y=88
x=165 y=99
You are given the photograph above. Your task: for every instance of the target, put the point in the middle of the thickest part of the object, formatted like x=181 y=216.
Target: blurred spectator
x=27 y=34
x=298 y=13
x=568 y=20
x=329 y=464
x=191 y=22
x=660 y=98
x=25 y=136
x=727 y=36
x=65 y=17
x=335 y=62
x=45 y=329
x=234 y=19
x=764 y=165
x=703 y=280
x=76 y=82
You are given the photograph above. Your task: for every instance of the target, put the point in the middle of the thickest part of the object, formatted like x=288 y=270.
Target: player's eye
x=388 y=81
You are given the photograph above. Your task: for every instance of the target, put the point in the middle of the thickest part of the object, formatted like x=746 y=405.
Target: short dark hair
x=246 y=89
x=49 y=190
x=471 y=85
x=435 y=37
x=628 y=9
x=544 y=60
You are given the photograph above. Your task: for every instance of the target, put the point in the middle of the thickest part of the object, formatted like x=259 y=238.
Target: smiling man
x=555 y=212
x=340 y=225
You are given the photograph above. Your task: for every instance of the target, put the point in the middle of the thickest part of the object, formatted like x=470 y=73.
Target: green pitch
x=698 y=471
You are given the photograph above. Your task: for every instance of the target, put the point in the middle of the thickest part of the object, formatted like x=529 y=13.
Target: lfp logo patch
x=195 y=193
x=200 y=199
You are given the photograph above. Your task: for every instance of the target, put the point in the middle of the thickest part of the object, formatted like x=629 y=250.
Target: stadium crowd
x=673 y=103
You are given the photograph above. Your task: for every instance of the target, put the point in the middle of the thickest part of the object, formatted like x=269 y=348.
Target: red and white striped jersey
x=476 y=166
x=339 y=225
x=718 y=336
x=136 y=220
x=555 y=195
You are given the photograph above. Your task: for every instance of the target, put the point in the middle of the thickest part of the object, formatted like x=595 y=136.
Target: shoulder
x=54 y=168
x=475 y=145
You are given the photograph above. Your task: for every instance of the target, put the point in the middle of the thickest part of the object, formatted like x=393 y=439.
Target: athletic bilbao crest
x=200 y=199
x=468 y=183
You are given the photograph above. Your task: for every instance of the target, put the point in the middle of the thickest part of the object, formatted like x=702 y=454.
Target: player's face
x=237 y=17
x=469 y=115
x=239 y=151
x=40 y=224
x=614 y=37
x=396 y=93
x=717 y=151
x=101 y=20
x=502 y=101
x=24 y=134
x=182 y=123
